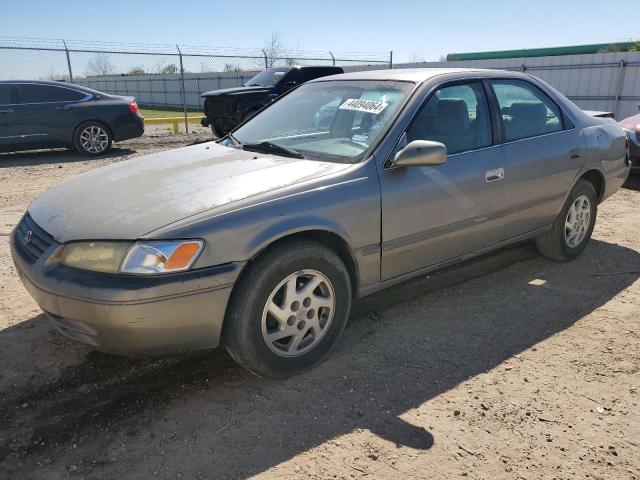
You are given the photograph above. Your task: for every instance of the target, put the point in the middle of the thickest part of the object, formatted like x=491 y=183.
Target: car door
x=434 y=214
x=44 y=116
x=7 y=132
x=543 y=152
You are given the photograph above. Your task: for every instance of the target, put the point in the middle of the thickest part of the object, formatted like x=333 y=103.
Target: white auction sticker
x=359 y=105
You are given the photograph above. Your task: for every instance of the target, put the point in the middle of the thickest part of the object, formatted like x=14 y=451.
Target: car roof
x=417 y=75
x=54 y=83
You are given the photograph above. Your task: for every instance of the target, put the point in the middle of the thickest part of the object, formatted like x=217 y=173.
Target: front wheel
x=288 y=310
x=92 y=138
x=572 y=228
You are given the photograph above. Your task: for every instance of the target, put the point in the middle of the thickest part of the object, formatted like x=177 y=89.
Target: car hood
x=631 y=123
x=130 y=199
x=235 y=91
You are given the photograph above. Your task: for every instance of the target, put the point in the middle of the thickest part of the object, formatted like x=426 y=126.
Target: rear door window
x=35 y=93
x=525 y=110
x=457 y=116
x=5 y=94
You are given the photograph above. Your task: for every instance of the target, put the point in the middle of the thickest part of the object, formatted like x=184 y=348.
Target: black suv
x=227 y=108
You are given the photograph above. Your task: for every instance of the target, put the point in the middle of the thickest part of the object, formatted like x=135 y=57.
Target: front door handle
x=493 y=175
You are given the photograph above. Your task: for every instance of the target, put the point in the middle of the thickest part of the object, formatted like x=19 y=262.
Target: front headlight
x=161 y=257
x=97 y=256
x=139 y=257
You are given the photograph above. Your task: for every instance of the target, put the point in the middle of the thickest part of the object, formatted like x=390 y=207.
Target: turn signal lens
x=161 y=257
x=182 y=256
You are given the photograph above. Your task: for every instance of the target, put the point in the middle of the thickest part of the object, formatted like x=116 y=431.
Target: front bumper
x=129 y=313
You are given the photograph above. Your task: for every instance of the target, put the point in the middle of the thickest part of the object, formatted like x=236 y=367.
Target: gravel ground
x=508 y=366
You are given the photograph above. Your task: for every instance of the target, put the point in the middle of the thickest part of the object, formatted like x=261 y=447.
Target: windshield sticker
x=360 y=137
x=369 y=106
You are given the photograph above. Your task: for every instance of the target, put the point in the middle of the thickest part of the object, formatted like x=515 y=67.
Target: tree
x=634 y=48
x=273 y=49
x=136 y=71
x=171 y=68
x=611 y=48
x=99 y=65
x=230 y=67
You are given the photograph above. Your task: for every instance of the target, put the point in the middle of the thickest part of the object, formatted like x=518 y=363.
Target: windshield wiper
x=270 y=147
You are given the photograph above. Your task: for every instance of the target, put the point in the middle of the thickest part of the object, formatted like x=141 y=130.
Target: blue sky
x=409 y=28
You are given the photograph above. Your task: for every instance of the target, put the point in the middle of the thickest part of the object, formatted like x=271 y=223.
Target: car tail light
x=133 y=107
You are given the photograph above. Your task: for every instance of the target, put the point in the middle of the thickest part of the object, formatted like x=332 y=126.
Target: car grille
x=31 y=239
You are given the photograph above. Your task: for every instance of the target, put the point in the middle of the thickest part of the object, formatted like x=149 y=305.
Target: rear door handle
x=8 y=110
x=493 y=175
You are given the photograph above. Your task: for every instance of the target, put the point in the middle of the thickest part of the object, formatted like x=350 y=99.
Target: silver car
x=344 y=186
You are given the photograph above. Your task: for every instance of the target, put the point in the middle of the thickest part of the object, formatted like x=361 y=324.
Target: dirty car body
x=501 y=182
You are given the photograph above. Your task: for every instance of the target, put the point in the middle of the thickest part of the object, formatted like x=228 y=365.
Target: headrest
x=529 y=111
x=452 y=116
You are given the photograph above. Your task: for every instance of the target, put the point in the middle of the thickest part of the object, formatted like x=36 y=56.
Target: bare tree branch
x=273 y=49
x=99 y=65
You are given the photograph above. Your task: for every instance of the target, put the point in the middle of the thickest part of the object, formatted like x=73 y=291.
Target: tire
x=92 y=138
x=560 y=243
x=247 y=115
x=251 y=331
x=217 y=131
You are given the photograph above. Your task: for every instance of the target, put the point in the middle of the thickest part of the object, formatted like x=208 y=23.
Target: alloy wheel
x=94 y=139
x=577 y=222
x=298 y=313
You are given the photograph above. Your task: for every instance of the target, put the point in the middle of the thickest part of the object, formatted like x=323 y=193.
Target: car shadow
x=55 y=156
x=403 y=347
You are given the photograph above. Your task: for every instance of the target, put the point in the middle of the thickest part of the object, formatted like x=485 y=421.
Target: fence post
x=266 y=60
x=66 y=50
x=616 y=101
x=391 y=59
x=184 y=96
x=333 y=59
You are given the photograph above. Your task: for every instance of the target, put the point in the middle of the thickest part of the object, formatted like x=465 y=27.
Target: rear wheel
x=92 y=138
x=572 y=228
x=288 y=310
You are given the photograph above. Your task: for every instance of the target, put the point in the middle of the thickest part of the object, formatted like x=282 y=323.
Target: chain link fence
x=166 y=80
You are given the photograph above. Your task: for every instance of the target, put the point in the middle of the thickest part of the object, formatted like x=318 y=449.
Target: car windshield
x=330 y=120
x=267 y=78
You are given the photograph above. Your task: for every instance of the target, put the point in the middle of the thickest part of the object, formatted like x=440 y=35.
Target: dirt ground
x=508 y=366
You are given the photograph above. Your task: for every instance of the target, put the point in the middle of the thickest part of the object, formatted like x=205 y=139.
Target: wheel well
x=597 y=180
x=251 y=111
x=330 y=240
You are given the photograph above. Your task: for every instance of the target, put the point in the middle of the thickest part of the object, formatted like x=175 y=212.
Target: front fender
x=292 y=226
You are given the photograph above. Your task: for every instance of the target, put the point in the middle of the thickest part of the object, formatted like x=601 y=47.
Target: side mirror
x=289 y=85
x=420 y=153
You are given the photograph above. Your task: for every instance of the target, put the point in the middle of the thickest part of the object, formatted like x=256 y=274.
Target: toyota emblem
x=27 y=237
